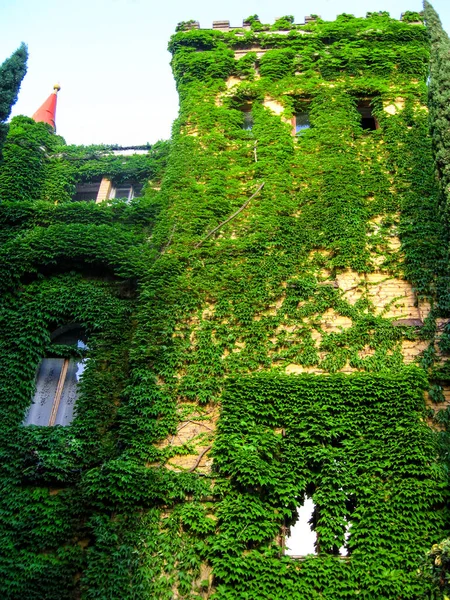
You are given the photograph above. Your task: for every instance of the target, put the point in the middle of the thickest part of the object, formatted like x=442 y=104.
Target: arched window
x=57 y=378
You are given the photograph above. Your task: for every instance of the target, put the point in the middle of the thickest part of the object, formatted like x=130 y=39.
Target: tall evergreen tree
x=439 y=97
x=12 y=71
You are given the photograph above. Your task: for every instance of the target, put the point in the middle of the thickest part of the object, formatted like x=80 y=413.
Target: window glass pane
x=301 y=122
x=302 y=538
x=46 y=384
x=248 y=121
x=123 y=191
x=69 y=394
x=87 y=191
x=84 y=197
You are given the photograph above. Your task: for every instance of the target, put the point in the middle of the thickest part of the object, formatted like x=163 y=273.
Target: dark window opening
x=87 y=192
x=368 y=121
x=57 y=379
x=137 y=188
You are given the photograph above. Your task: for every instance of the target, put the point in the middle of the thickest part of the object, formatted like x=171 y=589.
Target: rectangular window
x=87 y=192
x=124 y=190
x=301 y=123
x=368 y=121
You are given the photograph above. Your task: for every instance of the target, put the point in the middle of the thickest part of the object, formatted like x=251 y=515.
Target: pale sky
x=110 y=56
x=302 y=539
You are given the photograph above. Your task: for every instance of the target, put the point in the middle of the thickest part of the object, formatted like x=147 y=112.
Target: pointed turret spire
x=47 y=112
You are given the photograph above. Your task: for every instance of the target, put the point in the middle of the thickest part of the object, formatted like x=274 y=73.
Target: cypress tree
x=439 y=98
x=12 y=71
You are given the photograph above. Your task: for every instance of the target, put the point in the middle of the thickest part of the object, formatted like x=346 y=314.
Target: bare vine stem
x=200 y=456
x=229 y=218
x=169 y=240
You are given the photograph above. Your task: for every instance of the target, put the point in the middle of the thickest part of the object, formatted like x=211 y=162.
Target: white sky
x=302 y=539
x=110 y=56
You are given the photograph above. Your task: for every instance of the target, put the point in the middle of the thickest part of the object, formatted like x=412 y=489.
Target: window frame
x=58 y=393
x=115 y=187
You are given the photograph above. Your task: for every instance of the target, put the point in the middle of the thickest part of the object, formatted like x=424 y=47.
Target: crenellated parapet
x=254 y=23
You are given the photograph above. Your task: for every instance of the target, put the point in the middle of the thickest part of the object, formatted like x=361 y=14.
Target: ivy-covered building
x=202 y=337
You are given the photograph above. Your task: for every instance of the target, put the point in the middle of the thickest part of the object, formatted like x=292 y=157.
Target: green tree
x=12 y=71
x=439 y=97
x=436 y=566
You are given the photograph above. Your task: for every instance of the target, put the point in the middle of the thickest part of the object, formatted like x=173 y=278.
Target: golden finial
x=56 y=88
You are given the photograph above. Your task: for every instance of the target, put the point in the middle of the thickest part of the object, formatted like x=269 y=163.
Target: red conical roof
x=47 y=112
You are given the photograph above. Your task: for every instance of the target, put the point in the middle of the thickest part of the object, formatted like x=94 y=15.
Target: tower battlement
x=287 y=25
